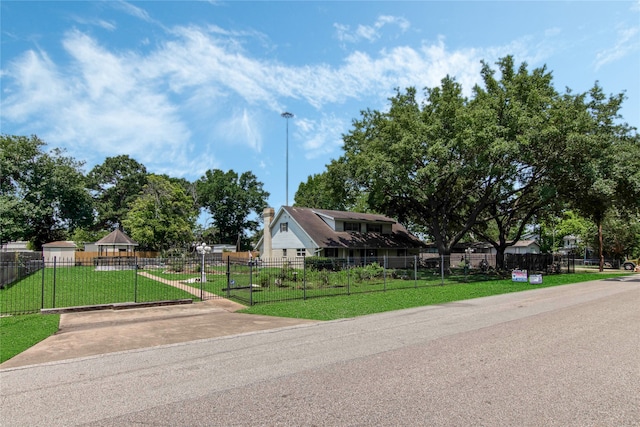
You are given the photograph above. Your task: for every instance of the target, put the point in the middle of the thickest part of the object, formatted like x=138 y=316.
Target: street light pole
x=287 y=116
x=203 y=249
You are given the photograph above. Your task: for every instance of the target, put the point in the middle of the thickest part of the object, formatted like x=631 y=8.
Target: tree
x=43 y=194
x=527 y=128
x=620 y=235
x=422 y=165
x=321 y=192
x=609 y=175
x=162 y=217
x=231 y=200
x=115 y=184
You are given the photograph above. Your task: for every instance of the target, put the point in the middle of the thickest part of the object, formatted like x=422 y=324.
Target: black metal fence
x=16 y=265
x=59 y=283
x=269 y=280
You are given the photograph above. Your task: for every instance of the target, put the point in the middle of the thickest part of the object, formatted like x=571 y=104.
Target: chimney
x=267 y=215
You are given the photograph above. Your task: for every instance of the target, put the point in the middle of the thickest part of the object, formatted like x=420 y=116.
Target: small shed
x=61 y=252
x=116 y=243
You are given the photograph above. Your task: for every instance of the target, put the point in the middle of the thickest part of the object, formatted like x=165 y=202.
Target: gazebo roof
x=116 y=237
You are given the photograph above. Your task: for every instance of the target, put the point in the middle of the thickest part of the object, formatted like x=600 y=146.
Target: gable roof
x=311 y=222
x=60 y=244
x=116 y=237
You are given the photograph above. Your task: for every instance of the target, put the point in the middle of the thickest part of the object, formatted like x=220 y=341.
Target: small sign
x=519 y=276
x=535 y=279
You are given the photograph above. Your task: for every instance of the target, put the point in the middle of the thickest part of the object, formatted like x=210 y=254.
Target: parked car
x=630 y=264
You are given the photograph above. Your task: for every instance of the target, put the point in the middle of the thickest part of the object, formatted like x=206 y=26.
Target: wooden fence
x=86 y=257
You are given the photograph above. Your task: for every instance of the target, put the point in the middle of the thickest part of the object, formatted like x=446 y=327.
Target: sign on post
x=535 y=279
x=519 y=276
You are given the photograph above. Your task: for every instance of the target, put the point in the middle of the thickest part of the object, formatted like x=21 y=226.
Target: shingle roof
x=60 y=244
x=116 y=237
x=325 y=237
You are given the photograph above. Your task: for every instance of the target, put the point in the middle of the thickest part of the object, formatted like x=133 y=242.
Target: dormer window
x=352 y=226
x=374 y=228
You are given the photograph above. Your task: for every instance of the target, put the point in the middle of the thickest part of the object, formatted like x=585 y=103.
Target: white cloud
x=132 y=10
x=627 y=42
x=200 y=81
x=319 y=138
x=369 y=32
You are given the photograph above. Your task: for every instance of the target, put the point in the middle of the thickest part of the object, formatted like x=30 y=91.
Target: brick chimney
x=267 y=215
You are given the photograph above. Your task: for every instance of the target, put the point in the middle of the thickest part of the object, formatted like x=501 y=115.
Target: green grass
x=77 y=286
x=18 y=333
x=330 y=308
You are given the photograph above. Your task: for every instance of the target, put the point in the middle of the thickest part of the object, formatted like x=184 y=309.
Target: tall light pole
x=287 y=116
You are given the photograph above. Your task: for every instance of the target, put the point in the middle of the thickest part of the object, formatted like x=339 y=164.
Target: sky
x=187 y=86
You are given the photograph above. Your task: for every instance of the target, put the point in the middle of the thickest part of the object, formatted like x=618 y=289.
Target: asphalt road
x=563 y=356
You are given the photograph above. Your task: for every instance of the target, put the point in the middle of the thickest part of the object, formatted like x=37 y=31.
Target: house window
x=402 y=252
x=284 y=253
x=374 y=228
x=284 y=226
x=351 y=226
x=331 y=252
x=300 y=252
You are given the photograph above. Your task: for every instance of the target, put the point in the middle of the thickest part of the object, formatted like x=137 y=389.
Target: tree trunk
x=600 y=246
x=500 y=258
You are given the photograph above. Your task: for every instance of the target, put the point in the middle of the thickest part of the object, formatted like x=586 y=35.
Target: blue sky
x=183 y=87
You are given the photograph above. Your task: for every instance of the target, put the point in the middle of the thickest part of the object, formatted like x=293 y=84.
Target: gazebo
x=116 y=243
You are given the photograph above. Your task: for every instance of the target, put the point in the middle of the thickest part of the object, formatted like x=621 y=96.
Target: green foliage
x=163 y=216
x=230 y=200
x=43 y=194
x=368 y=272
x=115 y=184
x=316 y=263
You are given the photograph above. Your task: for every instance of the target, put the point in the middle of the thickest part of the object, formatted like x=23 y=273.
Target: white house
x=524 y=247
x=298 y=232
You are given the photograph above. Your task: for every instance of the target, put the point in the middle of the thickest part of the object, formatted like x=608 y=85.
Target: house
x=116 y=243
x=18 y=246
x=61 y=251
x=523 y=247
x=299 y=232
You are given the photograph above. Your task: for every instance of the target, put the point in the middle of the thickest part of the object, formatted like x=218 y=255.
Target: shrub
x=316 y=263
x=368 y=272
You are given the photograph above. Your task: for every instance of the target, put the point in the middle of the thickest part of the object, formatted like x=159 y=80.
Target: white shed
x=62 y=252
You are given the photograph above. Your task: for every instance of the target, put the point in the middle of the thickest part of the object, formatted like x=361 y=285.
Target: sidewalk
x=92 y=333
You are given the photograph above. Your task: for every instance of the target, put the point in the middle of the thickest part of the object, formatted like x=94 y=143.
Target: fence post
x=384 y=272
x=348 y=277
x=42 y=295
x=415 y=270
x=135 y=279
x=53 y=303
x=228 y=278
x=250 y=283
x=442 y=269
x=202 y=274
x=304 y=278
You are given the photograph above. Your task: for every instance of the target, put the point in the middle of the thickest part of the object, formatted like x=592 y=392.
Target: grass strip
x=18 y=333
x=339 y=307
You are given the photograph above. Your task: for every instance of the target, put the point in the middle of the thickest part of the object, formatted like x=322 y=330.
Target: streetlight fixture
x=287 y=116
x=203 y=249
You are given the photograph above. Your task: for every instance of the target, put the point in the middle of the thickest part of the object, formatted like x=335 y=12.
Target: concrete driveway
x=562 y=356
